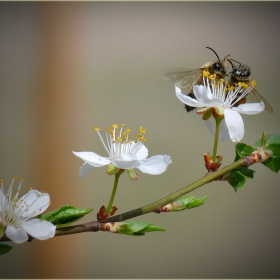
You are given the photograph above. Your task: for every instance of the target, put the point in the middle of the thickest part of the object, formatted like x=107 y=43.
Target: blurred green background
x=66 y=67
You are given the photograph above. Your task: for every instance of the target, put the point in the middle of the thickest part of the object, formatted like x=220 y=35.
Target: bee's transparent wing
x=184 y=79
x=254 y=96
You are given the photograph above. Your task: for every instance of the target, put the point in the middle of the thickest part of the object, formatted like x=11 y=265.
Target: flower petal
x=205 y=96
x=17 y=235
x=211 y=125
x=35 y=201
x=155 y=165
x=39 y=229
x=85 y=169
x=234 y=124
x=250 y=108
x=126 y=161
x=142 y=153
x=186 y=99
x=92 y=158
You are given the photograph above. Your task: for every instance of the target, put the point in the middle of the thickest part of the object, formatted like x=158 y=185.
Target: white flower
x=221 y=98
x=123 y=154
x=17 y=215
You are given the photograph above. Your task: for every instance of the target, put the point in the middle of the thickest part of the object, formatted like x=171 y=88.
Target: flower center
x=230 y=94
x=119 y=143
x=14 y=210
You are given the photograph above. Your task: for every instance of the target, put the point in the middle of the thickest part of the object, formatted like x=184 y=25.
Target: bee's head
x=239 y=71
x=219 y=66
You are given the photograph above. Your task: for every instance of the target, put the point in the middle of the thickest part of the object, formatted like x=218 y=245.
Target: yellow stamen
x=206 y=73
x=253 y=83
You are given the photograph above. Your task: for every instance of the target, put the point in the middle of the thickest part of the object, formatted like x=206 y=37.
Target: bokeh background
x=66 y=67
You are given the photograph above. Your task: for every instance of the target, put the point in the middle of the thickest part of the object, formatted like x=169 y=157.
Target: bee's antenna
x=230 y=61
x=213 y=52
x=226 y=57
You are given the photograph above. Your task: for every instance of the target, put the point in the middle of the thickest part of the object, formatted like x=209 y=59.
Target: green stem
x=209 y=177
x=218 y=123
x=117 y=176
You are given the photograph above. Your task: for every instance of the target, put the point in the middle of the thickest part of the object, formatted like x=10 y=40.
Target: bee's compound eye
x=218 y=68
x=245 y=73
x=241 y=72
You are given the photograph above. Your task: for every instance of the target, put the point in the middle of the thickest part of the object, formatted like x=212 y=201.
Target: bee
x=242 y=73
x=187 y=79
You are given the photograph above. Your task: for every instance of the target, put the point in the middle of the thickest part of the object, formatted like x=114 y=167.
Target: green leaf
x=272 y=143
x=248 y=173
x=5 y=248
x=275 y=148
x=65 y=215
x=242 y=150
x=138 y=228
x=197 y=202
x=264 y=139
x=236 y=179
x=270 y=139
x=273 y=164
x=187 y=202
